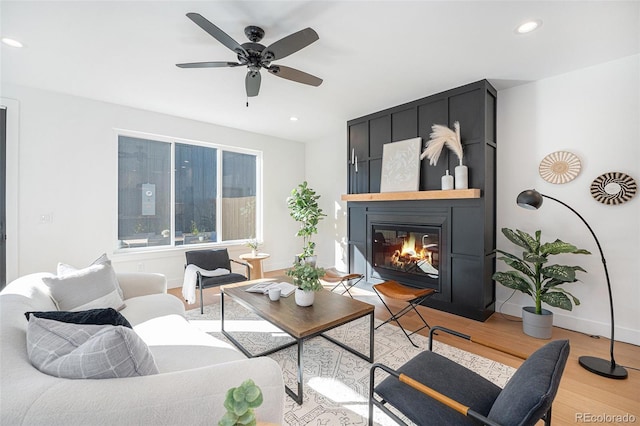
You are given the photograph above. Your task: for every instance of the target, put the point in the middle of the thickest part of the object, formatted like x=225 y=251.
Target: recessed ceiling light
x=292 y=118
x=528 y=26
x=11 y=42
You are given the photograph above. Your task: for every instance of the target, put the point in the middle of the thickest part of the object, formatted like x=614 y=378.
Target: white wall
x=593 y=113
x=68 y=169
x=326 y=172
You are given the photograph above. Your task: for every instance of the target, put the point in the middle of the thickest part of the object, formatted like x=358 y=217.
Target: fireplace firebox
x=406 y=253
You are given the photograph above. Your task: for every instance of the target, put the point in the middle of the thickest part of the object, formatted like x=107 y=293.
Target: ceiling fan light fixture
x=528 y=26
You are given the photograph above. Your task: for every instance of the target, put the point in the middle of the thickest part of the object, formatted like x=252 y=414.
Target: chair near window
x=431 y=389
x=211 y=260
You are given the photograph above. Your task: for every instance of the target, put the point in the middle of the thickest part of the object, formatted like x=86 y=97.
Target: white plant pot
x=305 y=297
x=535 y=325
x=254 y=253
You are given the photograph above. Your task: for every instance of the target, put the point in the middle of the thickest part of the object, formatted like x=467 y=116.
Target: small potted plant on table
x=253 y=245
x=307 y=278
x=533 y=276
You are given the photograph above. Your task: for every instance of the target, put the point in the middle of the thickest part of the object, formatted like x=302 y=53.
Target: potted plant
x=240 y=403
x=306 y=276
x=253 y=245
x=303 y=208
x=533 y=275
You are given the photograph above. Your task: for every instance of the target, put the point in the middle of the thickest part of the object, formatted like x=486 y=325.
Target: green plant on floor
x=533 y=276
x=240 y=403
x=303 y=208
x=306 y=276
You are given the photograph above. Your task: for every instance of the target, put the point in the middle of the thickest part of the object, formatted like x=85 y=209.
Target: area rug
x=336 y=382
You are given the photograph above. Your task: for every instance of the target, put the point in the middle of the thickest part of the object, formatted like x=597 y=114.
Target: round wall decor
x=613 y=188
x=559 y=167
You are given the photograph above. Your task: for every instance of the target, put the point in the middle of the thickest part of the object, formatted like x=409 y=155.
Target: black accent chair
x=431 y=389
x=211 y=260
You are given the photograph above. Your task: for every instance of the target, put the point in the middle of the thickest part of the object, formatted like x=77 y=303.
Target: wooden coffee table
x=329 y=310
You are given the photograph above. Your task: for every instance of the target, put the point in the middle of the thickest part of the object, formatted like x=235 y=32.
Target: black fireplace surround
x=464 y=229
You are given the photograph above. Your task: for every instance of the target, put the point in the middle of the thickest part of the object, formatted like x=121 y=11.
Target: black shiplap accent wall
x=470 y=224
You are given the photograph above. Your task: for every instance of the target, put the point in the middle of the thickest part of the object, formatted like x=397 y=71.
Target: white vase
x=447 y=181
x=304 y=297
x=462 y=177
x=254 y=252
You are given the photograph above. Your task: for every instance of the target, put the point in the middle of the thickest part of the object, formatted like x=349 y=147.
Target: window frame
x=220 y=148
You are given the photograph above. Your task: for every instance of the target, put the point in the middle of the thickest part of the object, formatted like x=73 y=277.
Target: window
x=210 y=197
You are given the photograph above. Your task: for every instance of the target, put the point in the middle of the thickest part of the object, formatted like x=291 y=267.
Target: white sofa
x=195 y=368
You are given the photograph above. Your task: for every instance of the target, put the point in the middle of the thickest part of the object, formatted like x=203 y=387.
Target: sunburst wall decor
x=613 y=188
x=559 y=167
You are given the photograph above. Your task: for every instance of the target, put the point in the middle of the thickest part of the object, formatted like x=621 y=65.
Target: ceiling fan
x=255 y=56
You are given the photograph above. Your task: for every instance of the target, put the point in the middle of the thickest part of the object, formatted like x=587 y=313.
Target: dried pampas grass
x=441 y=136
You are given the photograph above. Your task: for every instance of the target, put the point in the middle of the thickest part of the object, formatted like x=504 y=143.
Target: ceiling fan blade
x=208 y=64
x=252 y=83
x=217 y=33
x=295 y=75
x=289 y=44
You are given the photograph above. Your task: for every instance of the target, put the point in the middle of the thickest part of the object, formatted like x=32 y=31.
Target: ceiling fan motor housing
x=254 y=33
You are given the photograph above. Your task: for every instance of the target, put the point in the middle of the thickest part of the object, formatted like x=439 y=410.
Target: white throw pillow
x=87 y=351
x=88 y=288
x=65 y=269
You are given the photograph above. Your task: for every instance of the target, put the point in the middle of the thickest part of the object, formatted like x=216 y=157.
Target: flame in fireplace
x=412 y=254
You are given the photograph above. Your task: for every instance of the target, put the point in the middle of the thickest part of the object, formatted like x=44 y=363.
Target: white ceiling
x=371 y=54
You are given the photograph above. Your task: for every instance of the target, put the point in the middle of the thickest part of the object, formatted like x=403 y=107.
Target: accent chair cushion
x=89 y=288
x=222 y=279
x=531 y=390
x=446 y=377
x=107 y=316
x=87 y=351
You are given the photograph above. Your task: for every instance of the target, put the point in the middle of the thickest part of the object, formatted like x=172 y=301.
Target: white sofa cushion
x=87 y=351
x=89 y=288
x=65 y=269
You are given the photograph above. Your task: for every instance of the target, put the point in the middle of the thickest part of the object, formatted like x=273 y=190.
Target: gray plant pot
x=538 y=326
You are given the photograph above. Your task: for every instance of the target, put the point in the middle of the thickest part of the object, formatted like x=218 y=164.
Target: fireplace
x=406 y=253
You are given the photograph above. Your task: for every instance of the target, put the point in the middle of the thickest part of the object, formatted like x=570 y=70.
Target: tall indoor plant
x=304 y=208
x=533 y=275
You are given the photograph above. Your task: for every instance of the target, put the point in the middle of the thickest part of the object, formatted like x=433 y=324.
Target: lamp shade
x=530 y=199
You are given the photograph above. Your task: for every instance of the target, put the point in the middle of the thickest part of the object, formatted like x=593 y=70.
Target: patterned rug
x=336 y=382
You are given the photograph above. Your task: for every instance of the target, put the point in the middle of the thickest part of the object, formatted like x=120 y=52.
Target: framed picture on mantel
x=401 y=166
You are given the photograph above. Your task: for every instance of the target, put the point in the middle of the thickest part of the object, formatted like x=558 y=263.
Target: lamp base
x=602 y=367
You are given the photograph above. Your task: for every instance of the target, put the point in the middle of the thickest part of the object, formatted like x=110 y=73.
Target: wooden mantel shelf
x=414 y=195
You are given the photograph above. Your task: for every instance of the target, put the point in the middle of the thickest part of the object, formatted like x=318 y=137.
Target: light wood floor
x=581 y=393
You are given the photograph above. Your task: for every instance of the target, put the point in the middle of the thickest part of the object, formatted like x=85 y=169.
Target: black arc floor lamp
x=532 y=200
